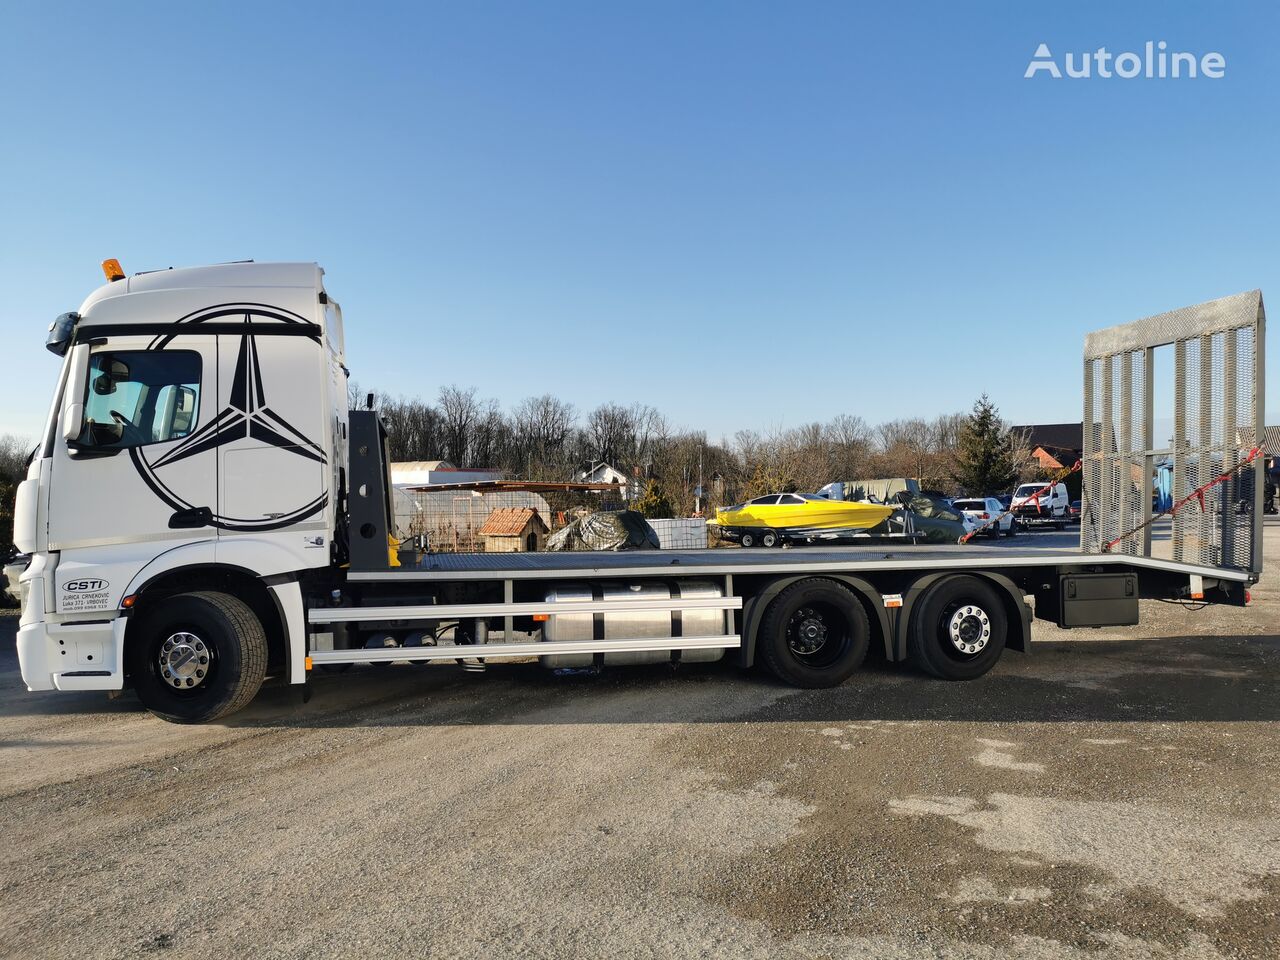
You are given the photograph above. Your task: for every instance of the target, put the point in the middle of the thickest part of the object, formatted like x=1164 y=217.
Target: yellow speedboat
x=796 y=514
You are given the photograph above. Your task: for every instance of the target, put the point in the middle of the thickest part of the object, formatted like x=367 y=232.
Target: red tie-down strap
x=1197 y=494
x=1034 y=498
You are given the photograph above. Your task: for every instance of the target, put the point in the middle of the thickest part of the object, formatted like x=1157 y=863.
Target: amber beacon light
x=112 y=269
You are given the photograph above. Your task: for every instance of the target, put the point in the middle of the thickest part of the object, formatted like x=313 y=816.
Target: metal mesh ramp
x=1215 y=422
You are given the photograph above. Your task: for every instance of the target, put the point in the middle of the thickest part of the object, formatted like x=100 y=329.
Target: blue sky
x=747 y=215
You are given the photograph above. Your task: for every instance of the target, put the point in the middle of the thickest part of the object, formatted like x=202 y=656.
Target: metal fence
x=1216 y=422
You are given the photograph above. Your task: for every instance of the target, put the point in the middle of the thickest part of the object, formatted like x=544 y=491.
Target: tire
x=944 y=622
x=747 y=539
x=380 y=641
x=770 y=538
x=806 y=612
x=416 y=639
x=188 y=632
x=1013 y=529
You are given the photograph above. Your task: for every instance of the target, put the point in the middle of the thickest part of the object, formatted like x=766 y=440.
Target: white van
x=1042 y=504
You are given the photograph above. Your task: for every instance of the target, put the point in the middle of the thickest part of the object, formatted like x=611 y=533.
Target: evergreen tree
x=652 y=503
x=984 y=452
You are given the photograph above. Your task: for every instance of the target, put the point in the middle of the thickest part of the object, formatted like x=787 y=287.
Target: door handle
x=191 y=518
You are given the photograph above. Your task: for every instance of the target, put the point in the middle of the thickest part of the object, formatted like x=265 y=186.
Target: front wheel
x=196 y=657
x=814 y=634
x=770 y=538
x=959 y=629
x=747 y=539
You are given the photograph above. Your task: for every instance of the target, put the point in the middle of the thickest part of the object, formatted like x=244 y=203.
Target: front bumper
x=65 y=656
x=72 y=656
x=1033 y=517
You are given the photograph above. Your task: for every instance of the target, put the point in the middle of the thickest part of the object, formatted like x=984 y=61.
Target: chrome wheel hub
x=184 y=661
x=969 y=629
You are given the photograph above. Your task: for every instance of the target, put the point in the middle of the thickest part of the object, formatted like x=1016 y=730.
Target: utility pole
x=697 y=499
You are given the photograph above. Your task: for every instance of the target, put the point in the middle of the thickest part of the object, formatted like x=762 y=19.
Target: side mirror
x=73 y=399
x=61 y=332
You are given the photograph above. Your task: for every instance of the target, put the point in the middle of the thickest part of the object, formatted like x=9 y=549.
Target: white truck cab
x=198 y=431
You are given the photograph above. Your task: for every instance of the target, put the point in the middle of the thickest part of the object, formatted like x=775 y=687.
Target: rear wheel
x=814 y=634
x=197 y=656
x=770 y=538
x=381 y=641
x=747 y=539
x=959 y=629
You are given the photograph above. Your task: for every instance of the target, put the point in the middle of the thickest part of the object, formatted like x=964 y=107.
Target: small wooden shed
x=514 y=530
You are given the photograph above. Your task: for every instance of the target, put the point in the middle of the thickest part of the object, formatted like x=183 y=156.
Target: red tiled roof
x=510 y=521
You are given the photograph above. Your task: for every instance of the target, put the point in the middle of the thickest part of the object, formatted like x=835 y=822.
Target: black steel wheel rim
x=818 y=634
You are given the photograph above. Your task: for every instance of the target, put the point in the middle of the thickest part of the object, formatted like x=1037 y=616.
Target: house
x=416 y=473
x=601 y=471
x=514 y=530
x=1055 y=445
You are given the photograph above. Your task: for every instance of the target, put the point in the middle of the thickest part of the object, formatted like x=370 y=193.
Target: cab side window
x=138 y=397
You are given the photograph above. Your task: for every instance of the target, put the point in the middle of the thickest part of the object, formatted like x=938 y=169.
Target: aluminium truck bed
x=719 y=562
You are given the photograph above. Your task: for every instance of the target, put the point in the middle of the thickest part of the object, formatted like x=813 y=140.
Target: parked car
x=1042 y=504
x=1073 y=511
x=983 y=512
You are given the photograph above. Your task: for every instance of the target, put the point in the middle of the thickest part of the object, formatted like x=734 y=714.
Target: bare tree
x=611 y=430
x=542 y=428
x=15 y=452
x=415 y=429
x=490 y=438
x=459 y=411
x=849 y=440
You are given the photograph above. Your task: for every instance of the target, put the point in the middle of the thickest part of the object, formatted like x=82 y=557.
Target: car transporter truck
x=204 y=511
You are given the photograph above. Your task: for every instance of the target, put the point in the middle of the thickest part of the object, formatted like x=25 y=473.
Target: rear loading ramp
x=1197 y=413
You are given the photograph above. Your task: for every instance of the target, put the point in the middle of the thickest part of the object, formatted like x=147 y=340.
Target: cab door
x=138 y=472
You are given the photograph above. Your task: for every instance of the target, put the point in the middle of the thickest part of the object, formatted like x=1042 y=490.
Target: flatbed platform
x=720 y=562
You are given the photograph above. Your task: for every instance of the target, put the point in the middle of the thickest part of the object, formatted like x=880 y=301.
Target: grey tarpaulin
x=606 y=530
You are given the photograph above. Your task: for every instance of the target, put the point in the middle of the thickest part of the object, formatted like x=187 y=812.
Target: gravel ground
x=1114 y=794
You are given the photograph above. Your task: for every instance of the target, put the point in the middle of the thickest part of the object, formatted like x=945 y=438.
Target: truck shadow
x=1177 y=679
x=1169 y=679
